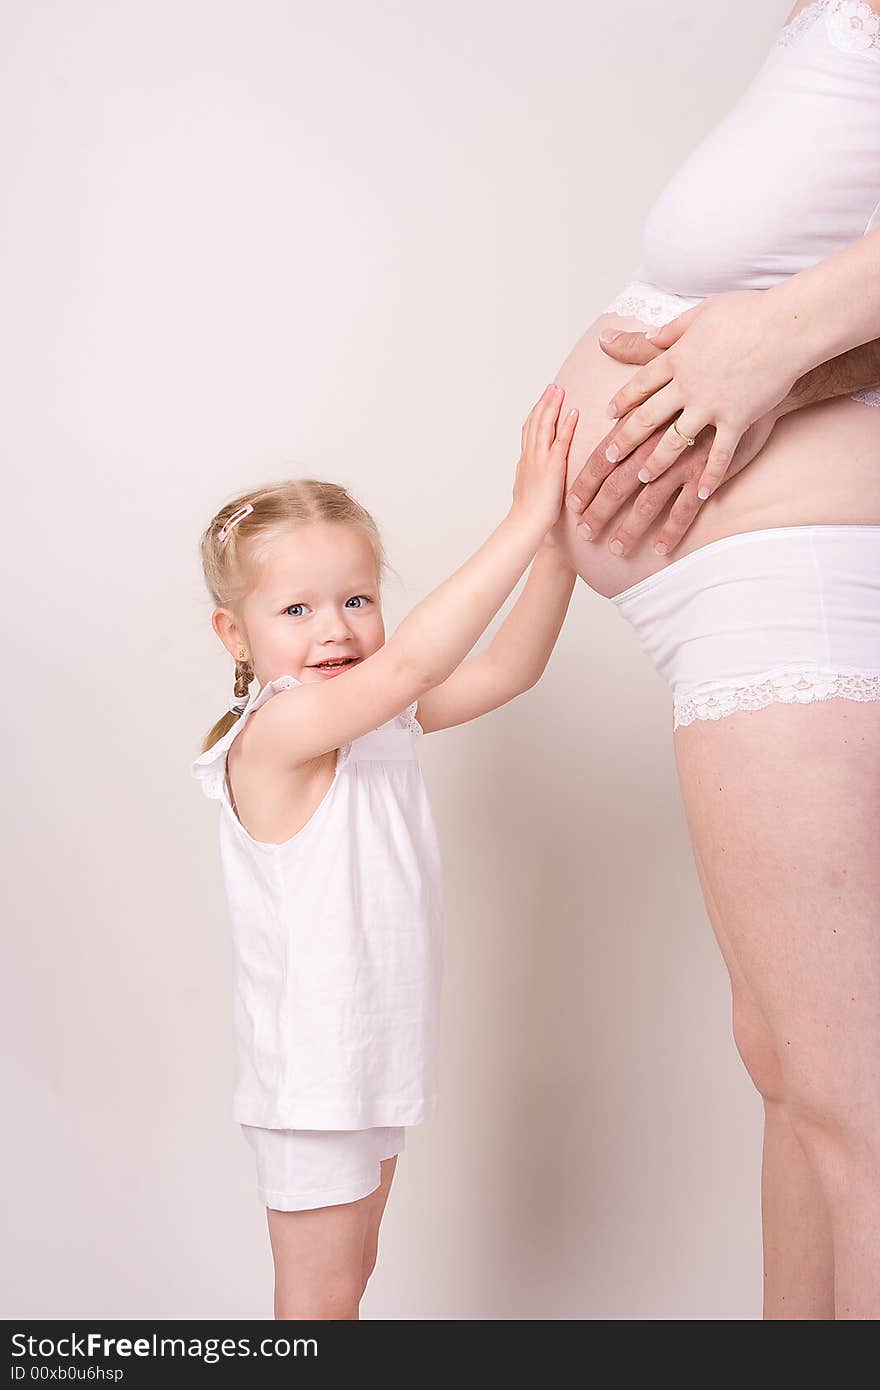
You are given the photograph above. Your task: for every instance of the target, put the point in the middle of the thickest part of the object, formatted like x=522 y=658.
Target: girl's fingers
x=643 y=384
x=671 y=447
x=533 y=424
x=565 y=433
x=720 y=456
x=549 y=417
x=642 y=422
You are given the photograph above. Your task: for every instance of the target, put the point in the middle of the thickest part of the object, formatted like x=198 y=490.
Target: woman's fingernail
x=612 y=410
x=612 y=453
x=609 y=335
x=585 y=531
x=661 y=547
x=703 y=494
x=574 y=503
x=652 y=333
x=644 y=475
x=616 y=548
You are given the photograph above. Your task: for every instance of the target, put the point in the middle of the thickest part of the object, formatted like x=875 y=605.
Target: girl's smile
x=333 y=665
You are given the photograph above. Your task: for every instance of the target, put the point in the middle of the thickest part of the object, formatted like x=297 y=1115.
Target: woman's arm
x=732 y=359
x=832 y=306
x=516 y=657
x=310 y=720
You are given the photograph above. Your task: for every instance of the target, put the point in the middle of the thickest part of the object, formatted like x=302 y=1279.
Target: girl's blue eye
x=361 y=600
x=292 y=606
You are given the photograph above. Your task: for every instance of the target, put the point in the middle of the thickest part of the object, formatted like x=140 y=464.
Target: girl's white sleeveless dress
x=337 y=952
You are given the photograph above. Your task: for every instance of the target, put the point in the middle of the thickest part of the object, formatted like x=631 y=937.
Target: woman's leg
x=323 y=1257
x=782 y=805
x=798 y=1252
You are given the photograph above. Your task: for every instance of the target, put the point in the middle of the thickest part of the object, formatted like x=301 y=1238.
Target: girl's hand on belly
x=723 y=366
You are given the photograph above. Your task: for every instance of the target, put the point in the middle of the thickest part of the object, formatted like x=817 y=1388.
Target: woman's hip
x=781 y=615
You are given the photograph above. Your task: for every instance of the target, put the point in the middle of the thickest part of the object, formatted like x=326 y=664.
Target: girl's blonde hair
x=230 y=561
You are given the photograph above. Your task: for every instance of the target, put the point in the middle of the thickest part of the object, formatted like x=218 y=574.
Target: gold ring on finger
x=686 y=437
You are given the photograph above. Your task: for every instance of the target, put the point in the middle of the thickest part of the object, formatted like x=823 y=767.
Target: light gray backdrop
x=353 y=240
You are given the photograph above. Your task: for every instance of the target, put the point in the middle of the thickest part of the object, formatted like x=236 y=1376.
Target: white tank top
x=337 y=940
x=788 y=177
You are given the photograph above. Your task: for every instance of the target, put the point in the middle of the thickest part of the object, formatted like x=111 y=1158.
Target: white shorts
x=299 y=1169
x=789 y=615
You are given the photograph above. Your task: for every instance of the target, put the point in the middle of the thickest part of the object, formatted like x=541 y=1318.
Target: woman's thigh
x=782 y=805
x=752 y=1033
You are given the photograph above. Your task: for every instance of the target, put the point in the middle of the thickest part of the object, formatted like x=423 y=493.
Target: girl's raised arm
x=310 y=720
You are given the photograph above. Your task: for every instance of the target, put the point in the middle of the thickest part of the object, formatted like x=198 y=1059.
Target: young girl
x=327 y=843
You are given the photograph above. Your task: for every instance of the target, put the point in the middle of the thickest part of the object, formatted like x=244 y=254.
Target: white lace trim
x=648 y=303
x=787 y=686
x=851 y=25
x=790 y=33
x=409 y=719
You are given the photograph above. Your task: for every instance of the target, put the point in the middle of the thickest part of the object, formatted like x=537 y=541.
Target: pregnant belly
x=819 y=466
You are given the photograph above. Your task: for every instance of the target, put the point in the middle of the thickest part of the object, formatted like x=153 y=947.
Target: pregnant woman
x=767 y=619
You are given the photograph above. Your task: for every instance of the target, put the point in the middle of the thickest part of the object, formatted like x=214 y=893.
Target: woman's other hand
x=720 y=366
x=602 y=487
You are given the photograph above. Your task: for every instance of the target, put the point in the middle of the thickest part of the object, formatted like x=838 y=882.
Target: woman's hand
x=722 y=366
x=601 y=488
x=540 y=474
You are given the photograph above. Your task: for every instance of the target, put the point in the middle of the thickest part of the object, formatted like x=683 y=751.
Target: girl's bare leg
x=378 y=1199
x=782 y=806
x=320 y=1255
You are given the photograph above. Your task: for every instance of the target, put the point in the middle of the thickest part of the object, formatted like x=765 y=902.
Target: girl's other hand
x=540 y=474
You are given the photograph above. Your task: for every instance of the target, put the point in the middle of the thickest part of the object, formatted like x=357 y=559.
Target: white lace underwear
x=789 y=685
x=652 y=305
x=789 y=615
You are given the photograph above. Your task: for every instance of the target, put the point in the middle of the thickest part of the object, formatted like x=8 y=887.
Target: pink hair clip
x=231 y=521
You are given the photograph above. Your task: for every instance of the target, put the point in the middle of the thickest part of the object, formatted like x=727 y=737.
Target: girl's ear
x=224 y=624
